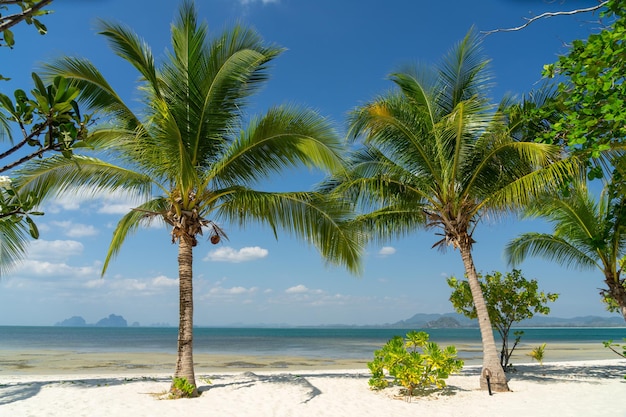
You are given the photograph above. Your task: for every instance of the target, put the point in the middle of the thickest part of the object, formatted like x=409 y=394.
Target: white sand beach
x=576 y=388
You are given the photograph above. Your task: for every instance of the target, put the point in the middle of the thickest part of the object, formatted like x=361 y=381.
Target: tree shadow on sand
x=568 y=373
x=20 y=391
x=250 y=379
x=558 y=372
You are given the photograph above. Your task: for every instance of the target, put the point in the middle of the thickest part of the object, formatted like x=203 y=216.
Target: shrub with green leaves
x=538 y=353
x=181 y=388
x=413 y=363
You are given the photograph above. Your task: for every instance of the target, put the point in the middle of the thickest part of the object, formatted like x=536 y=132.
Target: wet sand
x=44 y=362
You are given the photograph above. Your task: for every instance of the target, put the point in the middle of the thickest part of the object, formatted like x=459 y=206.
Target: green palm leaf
x=14 y=239
x=549 y=247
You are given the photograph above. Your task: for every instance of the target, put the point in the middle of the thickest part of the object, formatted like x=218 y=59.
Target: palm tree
x=191 y=155
x=436 y=155
x=587 y=233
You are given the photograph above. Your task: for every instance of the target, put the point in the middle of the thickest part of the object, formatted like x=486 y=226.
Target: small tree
x=414 y=363
x=510 y=299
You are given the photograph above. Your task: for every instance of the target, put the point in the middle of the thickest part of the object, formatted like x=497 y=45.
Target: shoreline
x=56 y=361
x=589 y=388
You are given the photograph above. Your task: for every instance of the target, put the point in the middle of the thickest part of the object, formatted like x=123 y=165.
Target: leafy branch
x=30 y=8
x=51 y=114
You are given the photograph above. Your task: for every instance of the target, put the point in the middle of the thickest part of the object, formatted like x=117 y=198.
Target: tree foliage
x=46 y=119
x=510 y=299
x=587 y=232
x=13 y=12
x=414 y=362
x=592 y=93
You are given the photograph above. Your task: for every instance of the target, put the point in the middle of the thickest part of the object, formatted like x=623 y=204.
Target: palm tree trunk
x=184 y=362
x=492 y=368
x=617 y=291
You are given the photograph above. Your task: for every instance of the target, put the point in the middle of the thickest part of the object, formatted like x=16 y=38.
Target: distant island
x=111 y=321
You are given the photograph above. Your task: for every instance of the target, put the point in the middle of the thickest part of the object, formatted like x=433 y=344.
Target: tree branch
x=35 y=154
x=547 y=15
x=12 y=20
x=27 y=137
x=12 y=213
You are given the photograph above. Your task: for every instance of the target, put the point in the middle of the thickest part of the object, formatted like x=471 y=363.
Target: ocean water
x=340 y=343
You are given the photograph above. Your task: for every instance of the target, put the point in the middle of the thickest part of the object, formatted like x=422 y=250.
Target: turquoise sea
x=340 y=343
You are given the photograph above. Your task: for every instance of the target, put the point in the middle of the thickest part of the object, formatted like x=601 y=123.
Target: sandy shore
x=67 y=362
x=577 y=388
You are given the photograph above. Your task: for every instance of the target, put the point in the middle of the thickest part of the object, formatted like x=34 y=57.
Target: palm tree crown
x=192 y=155
x=587 y=233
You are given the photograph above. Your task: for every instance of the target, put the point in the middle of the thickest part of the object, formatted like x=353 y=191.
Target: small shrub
x=181 y=388
x=413 y=363
x=538 y=353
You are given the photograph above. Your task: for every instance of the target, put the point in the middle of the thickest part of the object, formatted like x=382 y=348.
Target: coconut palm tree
x=436 y=155
x=588 y=232
x=193 y=157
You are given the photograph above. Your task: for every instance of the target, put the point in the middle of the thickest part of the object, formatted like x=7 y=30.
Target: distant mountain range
x=418 y=321
x=452 y=320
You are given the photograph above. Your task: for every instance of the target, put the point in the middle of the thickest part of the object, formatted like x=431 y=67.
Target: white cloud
x=116 y=208
x=301 y=289
x=163 y=281
x=233 y=290
x=228 y=254
x=68 y=201
x=298 y=289
x=255 y=1
x=76 y=230
x=32 y=267
x=387 y=251
x=120 y=286
x=118 y=202
x=48 y=250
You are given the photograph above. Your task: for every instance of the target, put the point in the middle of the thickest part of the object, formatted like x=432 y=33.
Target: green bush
x=538 y=353
x=181 y=388
x=413 y=363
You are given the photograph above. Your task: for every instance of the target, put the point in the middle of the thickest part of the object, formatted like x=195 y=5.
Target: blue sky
x=338 y=56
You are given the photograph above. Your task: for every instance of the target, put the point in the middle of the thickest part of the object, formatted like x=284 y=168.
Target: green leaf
x=40 y=27
x=39 y=85
x=6 y=102
x=8 y=38
x=32 y=228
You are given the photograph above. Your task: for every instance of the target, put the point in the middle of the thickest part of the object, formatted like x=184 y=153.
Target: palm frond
x=398 y=131
x=318 y=219
x=95 y=91
x=142 y=215
x=14 y=239
x=548 y=247
x=5 y=128
x=283 y=138
x=56 y=175
x=463 y=73
x=127 y=45
x=535 y=169
x=399 y=221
